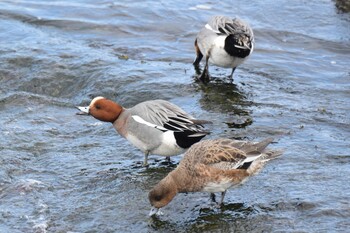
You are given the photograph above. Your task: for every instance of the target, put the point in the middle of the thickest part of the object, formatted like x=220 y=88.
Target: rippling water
x=60 y=172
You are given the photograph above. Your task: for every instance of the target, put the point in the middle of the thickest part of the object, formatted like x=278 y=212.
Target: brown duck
x=212 y=166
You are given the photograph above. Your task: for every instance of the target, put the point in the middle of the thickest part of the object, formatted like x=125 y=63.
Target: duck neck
x=177 y=179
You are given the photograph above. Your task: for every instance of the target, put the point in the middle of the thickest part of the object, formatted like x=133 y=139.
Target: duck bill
x=83 y=110
x=154 y=211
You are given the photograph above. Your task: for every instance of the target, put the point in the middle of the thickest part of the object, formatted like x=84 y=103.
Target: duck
x=212 y=165
x=225 y=42
x=155 y=127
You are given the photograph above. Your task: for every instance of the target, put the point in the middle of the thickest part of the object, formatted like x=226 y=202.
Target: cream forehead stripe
x=96 y=99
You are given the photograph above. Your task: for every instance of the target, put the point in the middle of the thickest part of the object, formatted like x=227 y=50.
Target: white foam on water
x=41 y=227
x=40 y=221
x=27 y=185
x=200 y=7
x=96 y=124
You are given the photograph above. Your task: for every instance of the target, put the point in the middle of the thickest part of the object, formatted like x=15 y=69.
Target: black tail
x=234 y=40
x=184 y=139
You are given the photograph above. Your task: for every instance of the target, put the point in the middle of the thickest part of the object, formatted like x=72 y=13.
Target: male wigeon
x=212 y=166
x=224 y=42
x=155 y=127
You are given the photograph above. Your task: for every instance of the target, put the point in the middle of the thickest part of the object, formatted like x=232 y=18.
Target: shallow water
x=61 y=172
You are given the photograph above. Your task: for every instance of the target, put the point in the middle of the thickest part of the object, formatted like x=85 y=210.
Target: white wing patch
x=241 y=47
x=207 y=26
x=251 y=158
x=248 y=160
x=142 y=121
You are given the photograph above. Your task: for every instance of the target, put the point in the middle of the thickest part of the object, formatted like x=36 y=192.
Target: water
x=66 y=173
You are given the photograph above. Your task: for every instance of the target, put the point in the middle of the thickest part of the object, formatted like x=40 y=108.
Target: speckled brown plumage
x=212 y=166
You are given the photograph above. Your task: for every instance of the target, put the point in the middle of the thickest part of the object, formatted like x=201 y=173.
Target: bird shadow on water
x=155 y=172
x=220 y=96
x=206 y=219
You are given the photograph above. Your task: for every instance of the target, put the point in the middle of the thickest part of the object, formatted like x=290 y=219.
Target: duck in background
x=224 y=42
x=155 y=127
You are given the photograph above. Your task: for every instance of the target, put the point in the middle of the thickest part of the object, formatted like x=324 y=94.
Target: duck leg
x=231 y=76
x=205 y=74
x=212 y=197
x=222 y=198
x=145 y=162
x=198 y=59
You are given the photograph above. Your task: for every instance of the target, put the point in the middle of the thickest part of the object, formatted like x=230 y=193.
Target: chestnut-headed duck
x=155 y=127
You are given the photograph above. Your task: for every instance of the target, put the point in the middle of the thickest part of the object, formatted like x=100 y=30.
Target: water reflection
x=229 y=217
x=225 y=97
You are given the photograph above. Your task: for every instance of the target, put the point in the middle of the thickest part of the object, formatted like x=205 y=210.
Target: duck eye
x=98 y=106
x=158 y=197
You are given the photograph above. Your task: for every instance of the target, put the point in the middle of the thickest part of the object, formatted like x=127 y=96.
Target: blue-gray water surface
x=61 y=172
